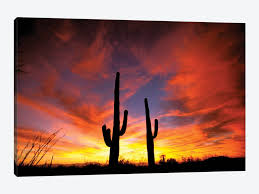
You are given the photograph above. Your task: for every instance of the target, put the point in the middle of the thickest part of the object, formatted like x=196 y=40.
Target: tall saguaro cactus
x=117 y=132
x=150 y=136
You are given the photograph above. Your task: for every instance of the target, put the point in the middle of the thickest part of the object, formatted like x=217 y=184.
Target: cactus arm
x=107 y=136
x=124 y=125
x=156 y=129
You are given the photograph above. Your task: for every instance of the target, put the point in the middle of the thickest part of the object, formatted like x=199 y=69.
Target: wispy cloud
x=192 y=73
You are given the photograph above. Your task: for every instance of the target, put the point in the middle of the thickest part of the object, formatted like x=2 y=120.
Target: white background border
x=212 y=11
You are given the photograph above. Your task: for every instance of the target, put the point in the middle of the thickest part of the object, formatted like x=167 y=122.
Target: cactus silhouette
x=117 y=132
x=150 y=137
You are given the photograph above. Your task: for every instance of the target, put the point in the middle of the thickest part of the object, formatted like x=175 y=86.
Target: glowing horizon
x=193 y=75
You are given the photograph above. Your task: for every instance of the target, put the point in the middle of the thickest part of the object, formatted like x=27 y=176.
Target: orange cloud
x=205 y=66
x=93 y=64
x=210 y=83
x=200 y=98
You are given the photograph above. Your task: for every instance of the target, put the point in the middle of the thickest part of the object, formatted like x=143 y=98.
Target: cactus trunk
x=114 y=142
x=150 y=136
x=114 y=152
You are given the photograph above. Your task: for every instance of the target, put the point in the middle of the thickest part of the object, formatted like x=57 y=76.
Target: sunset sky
x=193 y=75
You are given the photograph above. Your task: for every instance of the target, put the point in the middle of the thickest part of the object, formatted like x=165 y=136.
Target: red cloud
x=203 y=65
x=65 y=31
x=210 y=78
x=93 y=64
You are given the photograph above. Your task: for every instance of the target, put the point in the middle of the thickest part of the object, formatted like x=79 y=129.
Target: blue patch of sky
x=177 y=121
x=153 y=91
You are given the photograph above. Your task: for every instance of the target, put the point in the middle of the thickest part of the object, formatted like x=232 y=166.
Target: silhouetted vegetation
x=34 y=152
x=220 y=163
x=150 y=136
x=117 y=132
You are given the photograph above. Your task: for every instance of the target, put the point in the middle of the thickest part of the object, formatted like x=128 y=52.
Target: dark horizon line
x=128 y=162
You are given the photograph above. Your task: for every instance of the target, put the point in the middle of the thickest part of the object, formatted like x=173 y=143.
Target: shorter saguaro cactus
x=150 y=136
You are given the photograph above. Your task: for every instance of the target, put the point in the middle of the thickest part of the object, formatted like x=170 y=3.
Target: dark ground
x=211 y=164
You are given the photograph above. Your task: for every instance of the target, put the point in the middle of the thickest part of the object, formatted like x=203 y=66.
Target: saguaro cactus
x=117 y=132
x=150 y=137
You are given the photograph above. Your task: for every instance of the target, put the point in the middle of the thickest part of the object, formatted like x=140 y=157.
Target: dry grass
x=34 y=152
